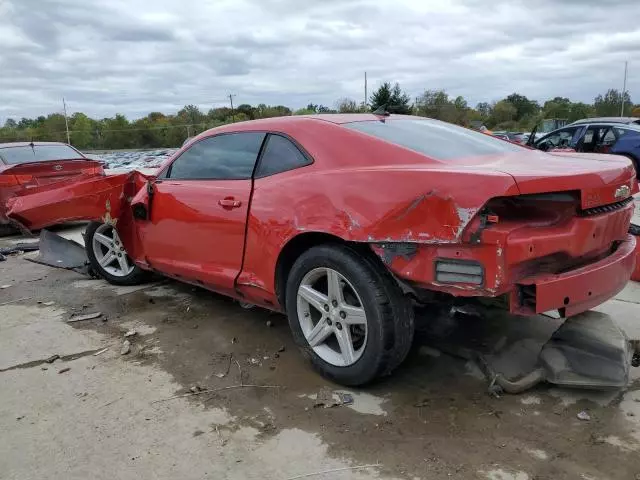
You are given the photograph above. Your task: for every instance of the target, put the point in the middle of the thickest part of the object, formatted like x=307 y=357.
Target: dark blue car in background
x=601 y=137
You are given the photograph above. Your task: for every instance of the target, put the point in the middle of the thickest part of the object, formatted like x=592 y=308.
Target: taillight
x=15 y=180
x=8 y=181
x=92 y=170
x=24 y=179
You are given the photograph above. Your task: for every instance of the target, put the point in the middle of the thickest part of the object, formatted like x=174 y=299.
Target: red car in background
x=29 y=167
x=345 y=221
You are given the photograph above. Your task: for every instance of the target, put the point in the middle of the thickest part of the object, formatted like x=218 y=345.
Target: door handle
x=230 y=202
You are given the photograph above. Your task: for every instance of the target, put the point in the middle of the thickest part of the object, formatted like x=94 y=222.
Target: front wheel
x=108 y=256
x=347 y=314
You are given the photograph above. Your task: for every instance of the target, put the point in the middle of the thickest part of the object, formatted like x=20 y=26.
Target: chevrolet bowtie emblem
x=622 y=191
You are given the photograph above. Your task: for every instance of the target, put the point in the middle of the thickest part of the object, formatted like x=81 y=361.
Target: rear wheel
x=108 y=256
x=347 y=315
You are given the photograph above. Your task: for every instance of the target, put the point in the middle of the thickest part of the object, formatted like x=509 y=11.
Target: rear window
x=436 y=139
x=38 y=153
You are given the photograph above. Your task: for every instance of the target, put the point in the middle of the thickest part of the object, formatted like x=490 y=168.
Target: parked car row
x=596 y=136
x=345 y=221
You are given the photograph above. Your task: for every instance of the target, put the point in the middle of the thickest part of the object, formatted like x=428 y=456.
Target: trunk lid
x=38 y=174
x=600 y=179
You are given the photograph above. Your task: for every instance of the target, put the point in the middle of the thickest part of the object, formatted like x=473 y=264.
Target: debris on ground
x=327 y=398
x=2 y=287
x=254 y=361
x=48 y=304
x=196 y=388
x=52 y=358
x=100 y=352
x=281 y=349
x=130 y=333
x=234 y=340
x=65 y=369
x=20 y=248
x=584 y=416
x=226 y=372
x=2 y=257
x=269 y=323
x=81 y=318
x=126 y=347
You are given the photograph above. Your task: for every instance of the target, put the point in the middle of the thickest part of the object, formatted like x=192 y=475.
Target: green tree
x=436 y=104
x=381 y=97
x=348 y=105
x=610 y=104
x=484 y=109
x=191 y=115
x=503 y=114
x=524 y=107
x=399 y=102
x=247 y=110
x=82 y=130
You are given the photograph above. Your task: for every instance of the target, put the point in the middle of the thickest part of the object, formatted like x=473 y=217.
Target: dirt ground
x=95 y=413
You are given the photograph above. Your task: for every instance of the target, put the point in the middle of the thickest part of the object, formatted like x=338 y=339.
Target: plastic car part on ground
x=57 y=251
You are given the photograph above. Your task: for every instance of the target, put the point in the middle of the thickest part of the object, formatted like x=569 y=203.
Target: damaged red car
x=344 y=222
x=29 y=167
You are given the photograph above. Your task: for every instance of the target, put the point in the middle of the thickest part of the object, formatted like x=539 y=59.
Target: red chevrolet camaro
x=345 y=221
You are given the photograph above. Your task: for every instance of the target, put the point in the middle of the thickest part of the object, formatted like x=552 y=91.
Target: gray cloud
x=134 y=56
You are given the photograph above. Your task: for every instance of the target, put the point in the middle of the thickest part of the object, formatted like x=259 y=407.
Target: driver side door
x=198 y=209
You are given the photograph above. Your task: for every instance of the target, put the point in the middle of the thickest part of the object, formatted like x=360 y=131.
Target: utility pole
x=66 y=121
x=233 y=118
x=365 y=90
x=624 y=89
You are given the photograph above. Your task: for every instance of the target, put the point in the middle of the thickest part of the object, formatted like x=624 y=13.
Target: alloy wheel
x=332 y=317
x=110 y=253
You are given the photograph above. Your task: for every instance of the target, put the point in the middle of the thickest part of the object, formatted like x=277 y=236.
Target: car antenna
x=381 y=110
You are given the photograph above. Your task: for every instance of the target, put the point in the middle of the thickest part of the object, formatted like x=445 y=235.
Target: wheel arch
x=299 y=244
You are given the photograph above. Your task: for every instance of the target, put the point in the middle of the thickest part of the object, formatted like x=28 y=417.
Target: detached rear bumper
x=577 y=290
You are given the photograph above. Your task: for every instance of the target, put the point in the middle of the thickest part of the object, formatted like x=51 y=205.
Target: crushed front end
x=566 y=251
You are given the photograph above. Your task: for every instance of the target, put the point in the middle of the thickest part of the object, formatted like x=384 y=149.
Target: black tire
x=634 y=229
x=136 y=277
x=390 y=320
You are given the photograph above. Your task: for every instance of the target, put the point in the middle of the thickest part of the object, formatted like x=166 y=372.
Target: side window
x=229 y=156
x=607 y=136
x=280 y=154
x=561 y=138
x=623 y=132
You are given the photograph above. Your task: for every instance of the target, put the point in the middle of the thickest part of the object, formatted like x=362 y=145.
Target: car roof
x=28 y=144
x=285 y=123
x=607 y=120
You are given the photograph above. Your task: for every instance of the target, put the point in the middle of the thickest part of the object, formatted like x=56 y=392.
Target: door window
x=280 y=154
x=230 y=156
x=560 y=139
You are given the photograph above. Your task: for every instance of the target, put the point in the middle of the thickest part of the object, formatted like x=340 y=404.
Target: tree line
x=158 y=130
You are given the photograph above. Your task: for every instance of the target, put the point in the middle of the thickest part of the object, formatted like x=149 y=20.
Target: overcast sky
x=136 y=56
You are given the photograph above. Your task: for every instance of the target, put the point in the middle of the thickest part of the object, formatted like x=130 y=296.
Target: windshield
x=434 y=138
x=38 y=153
